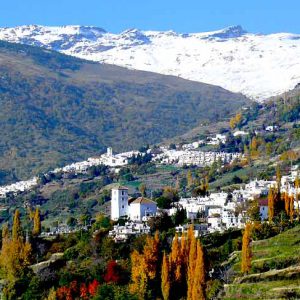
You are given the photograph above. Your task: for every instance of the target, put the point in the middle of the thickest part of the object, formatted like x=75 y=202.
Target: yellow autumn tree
x=189 y=178
x=37 y=222
x=198 y=289
x=246 y=250
x=286 y=203
x=144 y=266
x=291 y=208
x=165 y=278
x=235 y=121
x=253 y=148
x=191 y=266
x=15 y=255
x=138 y=284
x=271 y=204
x=297 y=186
x=176 y=264
x=278 y=179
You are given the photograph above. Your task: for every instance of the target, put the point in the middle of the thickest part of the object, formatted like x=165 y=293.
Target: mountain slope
x=256 y=65
x=57 y=109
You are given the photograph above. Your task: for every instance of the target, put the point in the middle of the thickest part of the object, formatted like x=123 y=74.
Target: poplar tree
x=36 y=222
x=286 y=203
x=271 y=204
x=189 y=178
x=165 y=278
x=198 y=290
x=191 y=266
x=14 y=256
x=145 y=267
x=297 y=185
x=246 y=250
x=291 y=210
x=16 y=229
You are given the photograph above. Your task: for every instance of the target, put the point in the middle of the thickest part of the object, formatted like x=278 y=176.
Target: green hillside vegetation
x=275 y=271
x=57 y=109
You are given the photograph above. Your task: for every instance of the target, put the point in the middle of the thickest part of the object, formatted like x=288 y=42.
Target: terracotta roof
x=263 y=202
x=143 y=200
x=120 y=187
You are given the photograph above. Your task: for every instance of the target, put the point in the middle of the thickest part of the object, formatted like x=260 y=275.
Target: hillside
x=275 y=270
x=257 y=65
x=57 y=109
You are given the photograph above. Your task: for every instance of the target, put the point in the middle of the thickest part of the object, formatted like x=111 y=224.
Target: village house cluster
x=187 y=156
x=194 y=157
x=216 y=212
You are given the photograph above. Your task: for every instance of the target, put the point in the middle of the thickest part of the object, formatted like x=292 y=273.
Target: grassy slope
x=275 y=268
x=57 y=109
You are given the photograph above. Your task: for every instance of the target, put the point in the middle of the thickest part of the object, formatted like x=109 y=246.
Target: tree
x=16 y=229
x=145 y=267
x=297 y=186
x=291 y=210
x=278 y=179
x=286 y=203
x=142 y=189
x=271 y=204
x=198 y=291
x=246 y=250
x=177 y=185
x=189 y=178
x=191 y=266
x=37 y=228
x=14 y=257
x=165 y=278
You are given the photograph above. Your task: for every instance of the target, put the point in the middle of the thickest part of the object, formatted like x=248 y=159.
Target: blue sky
x=264 y=16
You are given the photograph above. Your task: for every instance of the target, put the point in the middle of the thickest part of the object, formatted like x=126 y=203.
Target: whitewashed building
x=119 y=202
x=139 y=209
x=142 y=208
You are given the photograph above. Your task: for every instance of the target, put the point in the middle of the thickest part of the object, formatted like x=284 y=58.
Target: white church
x=137 y=210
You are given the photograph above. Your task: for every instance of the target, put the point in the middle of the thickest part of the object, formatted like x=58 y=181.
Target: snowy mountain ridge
x=257 y=65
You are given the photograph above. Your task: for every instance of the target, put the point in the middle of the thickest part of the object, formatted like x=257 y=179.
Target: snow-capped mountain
x=256 y=65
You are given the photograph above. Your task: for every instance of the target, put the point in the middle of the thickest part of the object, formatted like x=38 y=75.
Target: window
x=122 y=206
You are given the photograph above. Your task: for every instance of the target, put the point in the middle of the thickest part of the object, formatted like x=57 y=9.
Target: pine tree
x=198 y=290
x=246 y=250
x=37 y=222
x=165 y=278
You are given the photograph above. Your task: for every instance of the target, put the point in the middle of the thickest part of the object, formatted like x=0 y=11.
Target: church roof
x=120 y=187
x=142 y=200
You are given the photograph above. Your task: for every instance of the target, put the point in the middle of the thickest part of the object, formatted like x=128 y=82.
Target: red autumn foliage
x=113 y=271
x=64 y=293
x=84 y=291
x=74 y=291
x=93 y=287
